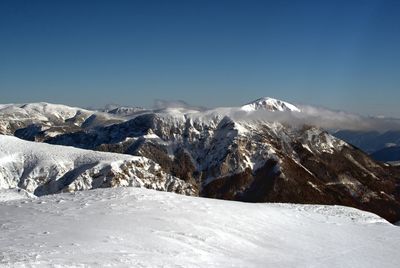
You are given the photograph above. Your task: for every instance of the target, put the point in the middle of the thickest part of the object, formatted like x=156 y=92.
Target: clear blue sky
x=337 y=54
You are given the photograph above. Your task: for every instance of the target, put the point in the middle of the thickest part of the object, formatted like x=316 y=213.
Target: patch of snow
x=306 y=169
x=394 y=163
x=241 y=129
x=314 y=186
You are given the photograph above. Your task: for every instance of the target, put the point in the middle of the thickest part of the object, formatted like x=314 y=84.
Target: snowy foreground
x=132 y=227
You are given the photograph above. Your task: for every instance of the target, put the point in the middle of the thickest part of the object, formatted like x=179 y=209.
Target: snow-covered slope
x=130 y=227
x=270 y=104
x=14 y=194
x=49 y=119
x=44 y=169
x=41 y=111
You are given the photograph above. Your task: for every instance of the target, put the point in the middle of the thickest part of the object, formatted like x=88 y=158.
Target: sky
x=337 y=54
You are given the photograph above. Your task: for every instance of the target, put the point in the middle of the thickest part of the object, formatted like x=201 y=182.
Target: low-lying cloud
x=310 y=115
x=324 y=118
x=166 y=104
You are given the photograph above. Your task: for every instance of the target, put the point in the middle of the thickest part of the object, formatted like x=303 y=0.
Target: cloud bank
x=168 y=104
x=328 y=119
x=325 y=118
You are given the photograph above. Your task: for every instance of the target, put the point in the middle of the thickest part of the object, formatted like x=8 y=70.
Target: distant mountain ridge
x=370 y=141
x=388 y=154
x=382 y=146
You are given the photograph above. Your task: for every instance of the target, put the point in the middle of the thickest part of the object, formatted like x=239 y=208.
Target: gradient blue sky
x=338 y=54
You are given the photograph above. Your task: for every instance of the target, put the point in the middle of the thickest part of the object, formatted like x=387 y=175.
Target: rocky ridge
x=240 y=158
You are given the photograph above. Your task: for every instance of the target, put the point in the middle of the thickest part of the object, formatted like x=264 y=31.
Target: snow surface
x=55 y=168
x=132 y=227
x=14 y=194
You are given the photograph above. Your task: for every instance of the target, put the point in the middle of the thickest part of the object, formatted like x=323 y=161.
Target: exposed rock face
x=250 y=160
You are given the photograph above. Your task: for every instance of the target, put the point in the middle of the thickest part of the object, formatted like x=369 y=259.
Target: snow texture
x=132 y=227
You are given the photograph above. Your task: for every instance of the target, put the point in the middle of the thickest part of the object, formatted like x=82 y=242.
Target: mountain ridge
x=244 y=158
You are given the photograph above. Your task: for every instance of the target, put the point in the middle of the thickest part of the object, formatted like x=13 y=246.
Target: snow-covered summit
x=40 y=110
x=270 y=104
x=50 y=118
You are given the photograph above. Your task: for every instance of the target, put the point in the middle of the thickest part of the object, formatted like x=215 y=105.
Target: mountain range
x=381 y=145
x=248 y=153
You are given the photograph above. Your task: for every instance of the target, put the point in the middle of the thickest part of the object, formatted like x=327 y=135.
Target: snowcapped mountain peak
x=270 y=104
